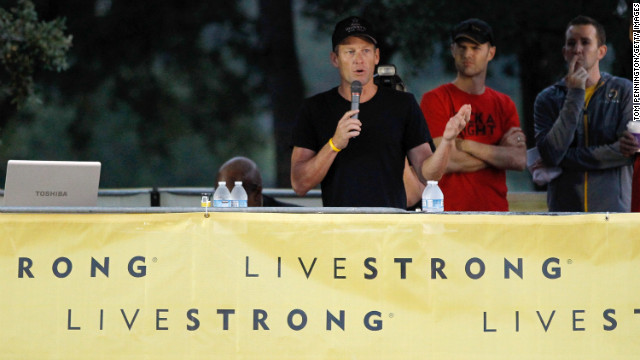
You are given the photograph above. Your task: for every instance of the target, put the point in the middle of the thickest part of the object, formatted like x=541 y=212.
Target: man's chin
x=468 y=72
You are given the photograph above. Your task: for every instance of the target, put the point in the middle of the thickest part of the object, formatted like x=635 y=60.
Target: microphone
x=356 y=90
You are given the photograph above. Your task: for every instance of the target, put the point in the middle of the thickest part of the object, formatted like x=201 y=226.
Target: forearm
x=436 y=165
x=308 y=168
x=460 y=161
x=555 y=132
x=595 y=158
x=412 y=185
x=498 y=156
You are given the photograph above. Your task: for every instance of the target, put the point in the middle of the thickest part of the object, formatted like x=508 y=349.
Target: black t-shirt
x=368 y=172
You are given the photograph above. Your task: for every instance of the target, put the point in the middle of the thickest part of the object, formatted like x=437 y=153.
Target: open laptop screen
x=51 y=183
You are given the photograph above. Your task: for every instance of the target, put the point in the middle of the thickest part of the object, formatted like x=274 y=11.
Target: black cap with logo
x=474 y=30
x=352 y=26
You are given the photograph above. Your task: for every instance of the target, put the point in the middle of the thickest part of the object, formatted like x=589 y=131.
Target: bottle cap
x=222 y=183
x=433 y=182
x=238 y=183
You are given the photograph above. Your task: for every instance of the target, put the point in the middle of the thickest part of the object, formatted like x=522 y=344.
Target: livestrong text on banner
x=319 y=286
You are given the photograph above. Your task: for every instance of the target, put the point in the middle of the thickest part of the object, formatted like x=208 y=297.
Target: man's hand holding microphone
x=349 y=125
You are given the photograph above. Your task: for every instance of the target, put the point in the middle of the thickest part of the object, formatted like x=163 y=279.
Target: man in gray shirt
x=579 y=124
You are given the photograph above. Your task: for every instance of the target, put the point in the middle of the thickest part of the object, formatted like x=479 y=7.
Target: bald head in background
x=243 y=169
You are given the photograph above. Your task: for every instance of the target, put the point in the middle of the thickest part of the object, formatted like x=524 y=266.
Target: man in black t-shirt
x=359 y=161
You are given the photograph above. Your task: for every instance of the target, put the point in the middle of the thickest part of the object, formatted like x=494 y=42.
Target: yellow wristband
x=333 y=146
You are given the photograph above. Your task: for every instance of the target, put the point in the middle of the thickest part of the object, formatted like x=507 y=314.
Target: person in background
x=244 y=169
x=492 y=141
x=360 y=161
x=580 y=124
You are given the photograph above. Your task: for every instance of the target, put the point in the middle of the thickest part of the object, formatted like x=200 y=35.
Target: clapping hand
x=457 y=122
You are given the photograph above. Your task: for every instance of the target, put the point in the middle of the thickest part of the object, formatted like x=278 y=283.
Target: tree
x=27 y=46
x=282 y=76
x=163 y=91
x=174 y=76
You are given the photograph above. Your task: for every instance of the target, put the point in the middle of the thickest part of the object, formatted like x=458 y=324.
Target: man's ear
x=334 y=59
x=492 y=52
x=602 y=51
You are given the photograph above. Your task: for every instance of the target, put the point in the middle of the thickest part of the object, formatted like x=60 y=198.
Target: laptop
x=51 y=183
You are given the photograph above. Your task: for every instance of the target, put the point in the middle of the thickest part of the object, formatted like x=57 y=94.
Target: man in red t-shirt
x=492 y=141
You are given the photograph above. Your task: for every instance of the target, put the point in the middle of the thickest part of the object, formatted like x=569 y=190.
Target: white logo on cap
x=355 y=26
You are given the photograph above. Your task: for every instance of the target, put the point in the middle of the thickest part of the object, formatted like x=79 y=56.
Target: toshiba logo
x=51 y=193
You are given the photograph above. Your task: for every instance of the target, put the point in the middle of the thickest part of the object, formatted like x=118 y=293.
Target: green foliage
x=161 y=92
x=164 y=91
x=26 y=46
x=409 y=27
x=111 y=134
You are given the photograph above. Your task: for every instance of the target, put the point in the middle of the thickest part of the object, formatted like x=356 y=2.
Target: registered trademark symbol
x=569 y=261
x=391 y=315
x=155 y=259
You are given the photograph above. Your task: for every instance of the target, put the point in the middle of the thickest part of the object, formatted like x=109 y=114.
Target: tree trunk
x=282 y=74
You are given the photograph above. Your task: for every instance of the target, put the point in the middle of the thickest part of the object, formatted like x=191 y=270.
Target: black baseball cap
x=352 y=26
x=474 y=30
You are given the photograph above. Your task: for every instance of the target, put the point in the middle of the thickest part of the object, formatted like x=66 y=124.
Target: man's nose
x=578 y=49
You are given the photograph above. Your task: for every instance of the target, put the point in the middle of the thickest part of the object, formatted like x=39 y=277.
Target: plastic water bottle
x=238 y=195
x=432 y=198
x=222 y=197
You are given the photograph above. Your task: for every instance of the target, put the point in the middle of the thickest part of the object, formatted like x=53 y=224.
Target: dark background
x=162 y=92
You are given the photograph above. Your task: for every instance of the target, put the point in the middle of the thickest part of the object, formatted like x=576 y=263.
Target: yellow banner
x=319 y=286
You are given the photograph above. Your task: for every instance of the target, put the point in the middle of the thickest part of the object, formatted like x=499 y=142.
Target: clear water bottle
x=238 y=195
x=432 y=198
x=222 y=196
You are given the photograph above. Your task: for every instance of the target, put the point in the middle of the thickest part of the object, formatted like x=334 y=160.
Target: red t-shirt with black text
x=492 y=114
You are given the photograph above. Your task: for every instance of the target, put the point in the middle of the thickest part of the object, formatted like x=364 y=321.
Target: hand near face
x=577 y=76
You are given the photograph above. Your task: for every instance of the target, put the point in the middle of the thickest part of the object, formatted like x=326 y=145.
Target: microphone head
x=356 y=87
